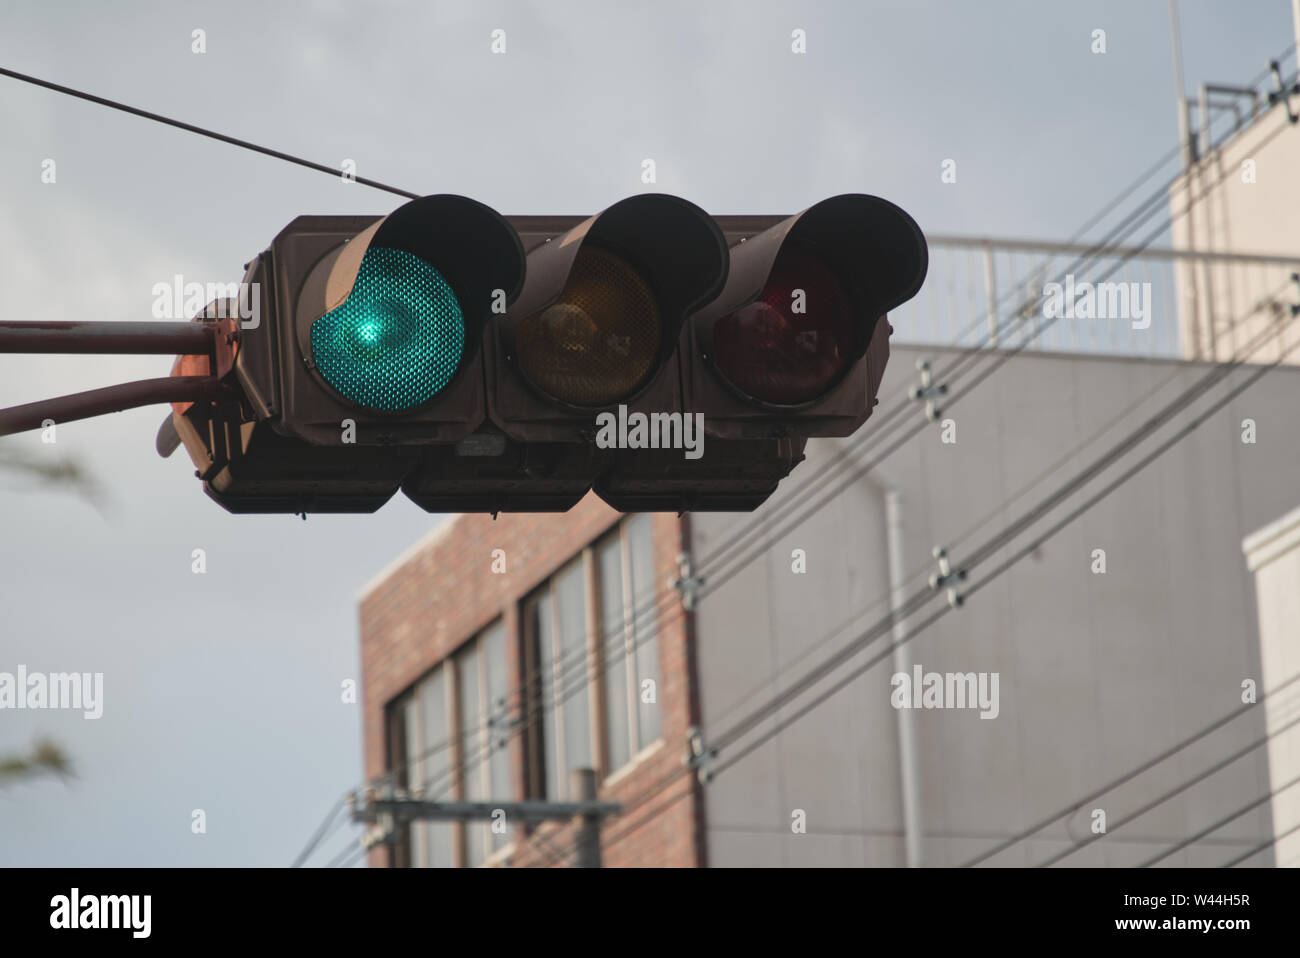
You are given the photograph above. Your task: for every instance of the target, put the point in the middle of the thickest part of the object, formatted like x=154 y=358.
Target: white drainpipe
x=908 y=767
x=909 y=773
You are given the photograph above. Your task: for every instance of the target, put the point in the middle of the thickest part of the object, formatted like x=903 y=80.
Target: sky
x=222 y=690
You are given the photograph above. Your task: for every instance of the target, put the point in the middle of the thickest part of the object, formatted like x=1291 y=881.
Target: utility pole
x=587 y=833
x=397 y=806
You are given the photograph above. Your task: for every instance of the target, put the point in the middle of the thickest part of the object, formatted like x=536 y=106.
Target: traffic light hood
x=379 y=321
x=875 y=249
x=438 y=230
x=796 y=342
x=600 y=314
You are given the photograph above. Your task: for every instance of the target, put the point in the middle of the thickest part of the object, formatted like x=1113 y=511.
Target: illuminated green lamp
x=398 y=338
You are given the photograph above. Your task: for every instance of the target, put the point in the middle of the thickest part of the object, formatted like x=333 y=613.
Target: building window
x=594 y=660
x=402 y=759
x=449 y=734
x=556 y=620
x=641 y=630
x=434 y=838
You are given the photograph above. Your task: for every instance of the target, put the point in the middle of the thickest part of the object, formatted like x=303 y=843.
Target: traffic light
x=599 y=318
x=797 y=342
x=595 y=328
x=794 y=347
x=667 y=359
x=379 y=323
x=368 y=343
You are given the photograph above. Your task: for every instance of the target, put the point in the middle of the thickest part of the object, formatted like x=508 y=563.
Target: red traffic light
x=792 y=343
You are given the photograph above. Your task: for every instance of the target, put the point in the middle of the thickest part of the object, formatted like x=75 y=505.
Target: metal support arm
x=98 y=402
x=105 y=338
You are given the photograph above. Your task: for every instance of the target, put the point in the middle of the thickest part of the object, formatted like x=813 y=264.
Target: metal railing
x=1191 y=303
x=1130 y=301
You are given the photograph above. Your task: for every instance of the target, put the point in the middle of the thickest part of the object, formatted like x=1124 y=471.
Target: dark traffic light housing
x=367 y=344
x=596 y=327
x=380 y=321
x=793 y=347
x=474 y=361
x=598 y=321
x=797 y=342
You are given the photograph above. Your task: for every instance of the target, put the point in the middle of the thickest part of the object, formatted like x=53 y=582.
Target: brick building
x=479 y=651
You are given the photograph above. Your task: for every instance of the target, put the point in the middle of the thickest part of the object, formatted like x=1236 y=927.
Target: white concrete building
x=1099 y=671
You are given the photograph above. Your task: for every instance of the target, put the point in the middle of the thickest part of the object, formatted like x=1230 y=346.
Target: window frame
x=599 y=648
x=411 y=848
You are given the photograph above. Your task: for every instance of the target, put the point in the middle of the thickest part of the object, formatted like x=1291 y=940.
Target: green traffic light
x=397 y=340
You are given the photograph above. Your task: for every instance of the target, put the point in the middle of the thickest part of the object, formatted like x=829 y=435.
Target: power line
x=880 y=427
x=850 y=475
x=1272 y=840
x=667 y=780
x=732 y=734
x=223 y=138
x=950 y=374
x=1178 y=790
x=662 y=599
x=201 y=131
x=991 y=545
x=1126 y=777
x=1126 y=445
x=357 y=857
x=554 y=856
x=914 y=631
x=1153 y=202
x=645 y=798
x=1190 y=839
x=116 y=105
x=1157 y=199
x=348 y=851
x=580 y=660
x=922 y=569
x=318 y=835
x=243 y=144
